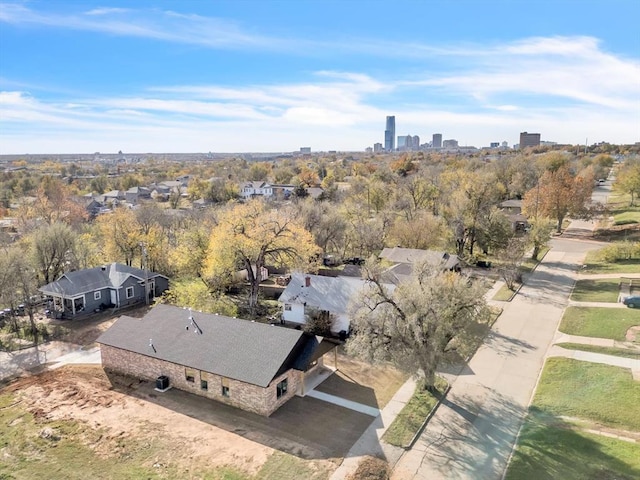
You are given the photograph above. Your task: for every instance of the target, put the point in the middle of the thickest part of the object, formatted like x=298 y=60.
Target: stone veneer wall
x=242 y=395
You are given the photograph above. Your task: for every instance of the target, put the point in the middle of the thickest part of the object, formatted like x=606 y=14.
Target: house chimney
x=307 y=281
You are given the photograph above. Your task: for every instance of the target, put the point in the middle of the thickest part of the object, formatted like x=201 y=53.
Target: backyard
x=77 y=422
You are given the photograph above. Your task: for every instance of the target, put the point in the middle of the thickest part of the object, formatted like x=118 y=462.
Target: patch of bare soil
x=84 y=393
x=633 y=334
x=85 y=330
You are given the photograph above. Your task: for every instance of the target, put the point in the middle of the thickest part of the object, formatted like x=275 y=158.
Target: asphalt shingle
x=251 y=352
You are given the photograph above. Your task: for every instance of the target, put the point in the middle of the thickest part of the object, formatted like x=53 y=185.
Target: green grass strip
x=599 y=322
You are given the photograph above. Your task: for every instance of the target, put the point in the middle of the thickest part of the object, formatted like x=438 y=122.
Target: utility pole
x=146 y=272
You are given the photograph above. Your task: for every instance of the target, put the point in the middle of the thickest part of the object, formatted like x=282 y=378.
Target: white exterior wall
x=295 y=315
x=341 y=323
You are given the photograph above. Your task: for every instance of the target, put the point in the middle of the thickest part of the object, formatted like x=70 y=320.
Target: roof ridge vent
x=196 y=329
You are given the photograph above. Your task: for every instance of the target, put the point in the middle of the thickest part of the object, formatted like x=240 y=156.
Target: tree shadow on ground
x=305 y=427
x=343 y=386
x=472 y=434
x=551 y=448
x=507 y=346
x=475 y=434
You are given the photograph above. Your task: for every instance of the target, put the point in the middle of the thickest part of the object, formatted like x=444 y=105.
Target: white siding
x=295 y=315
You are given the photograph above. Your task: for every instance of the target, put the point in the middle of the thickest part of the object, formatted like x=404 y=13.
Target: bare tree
x=434 y=317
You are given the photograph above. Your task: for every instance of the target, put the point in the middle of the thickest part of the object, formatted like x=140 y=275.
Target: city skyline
x=267 y=76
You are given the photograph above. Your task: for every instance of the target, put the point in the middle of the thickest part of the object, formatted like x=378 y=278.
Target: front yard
x=611 y=323
x=597 y=290
x=577 y=408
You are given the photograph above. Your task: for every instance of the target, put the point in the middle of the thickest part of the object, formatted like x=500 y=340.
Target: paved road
x=473 y=432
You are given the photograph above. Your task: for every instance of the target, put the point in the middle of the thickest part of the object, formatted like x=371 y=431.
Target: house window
x=287 y=307
x=129 y=292
x=189 y=375
x=204 y=385
x=225 y=387
x=281 y=388
x=97 y=295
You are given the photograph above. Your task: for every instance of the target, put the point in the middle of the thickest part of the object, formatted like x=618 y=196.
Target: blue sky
x=240 y=76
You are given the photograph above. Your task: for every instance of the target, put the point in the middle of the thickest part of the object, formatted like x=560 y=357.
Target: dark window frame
x=281 y=388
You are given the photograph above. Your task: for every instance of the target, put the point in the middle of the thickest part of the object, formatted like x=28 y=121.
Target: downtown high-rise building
x=390 y=134
x=437 y=140
x=529 y=140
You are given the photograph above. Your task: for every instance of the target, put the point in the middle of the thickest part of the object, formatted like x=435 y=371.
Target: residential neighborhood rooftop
x=243 y=350
x=78 y=282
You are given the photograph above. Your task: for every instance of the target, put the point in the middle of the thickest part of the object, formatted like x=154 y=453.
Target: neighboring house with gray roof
x=412 y=256
x=252 y=366
x=513 y=210
x=307 y=295
x=113 y=285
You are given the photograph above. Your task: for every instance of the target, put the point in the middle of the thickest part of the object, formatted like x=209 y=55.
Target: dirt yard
x=79 y=419
x=126 y=429
x=78 y=422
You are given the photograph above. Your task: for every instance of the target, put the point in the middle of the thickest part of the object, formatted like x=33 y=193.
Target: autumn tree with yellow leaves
x=250 y=236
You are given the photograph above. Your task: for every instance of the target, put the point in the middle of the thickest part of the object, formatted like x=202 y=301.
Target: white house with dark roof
x=113 y=285
x=308 y=294
x=252 y=366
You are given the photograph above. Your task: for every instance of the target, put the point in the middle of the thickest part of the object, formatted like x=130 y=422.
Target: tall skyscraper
x=437 y=140
x=390 y=134
x=529 y=140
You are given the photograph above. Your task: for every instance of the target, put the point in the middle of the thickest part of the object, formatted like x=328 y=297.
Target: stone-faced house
x=113 y=285
x=252 y=366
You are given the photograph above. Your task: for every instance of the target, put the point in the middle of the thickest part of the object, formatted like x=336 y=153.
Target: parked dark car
x=632 y=301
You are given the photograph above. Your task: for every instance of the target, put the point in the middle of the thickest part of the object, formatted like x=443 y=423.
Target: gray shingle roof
x=332 y=294
x=414 y=255
x=92 y=279
x=251 y=352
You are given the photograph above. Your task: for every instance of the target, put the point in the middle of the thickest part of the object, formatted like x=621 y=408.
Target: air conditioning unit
x=162 y=383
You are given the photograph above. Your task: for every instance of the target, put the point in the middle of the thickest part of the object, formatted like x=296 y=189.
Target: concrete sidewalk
x=601 y=342
x=597 y=304
x=343 y=402
x=595 y=276
x=472 y=433
x=22 y=361
x=369 y=442
x=623 y=362
x=90 y=356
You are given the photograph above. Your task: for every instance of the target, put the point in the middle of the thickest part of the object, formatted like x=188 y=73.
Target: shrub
x=371 y=468
x=619 y=251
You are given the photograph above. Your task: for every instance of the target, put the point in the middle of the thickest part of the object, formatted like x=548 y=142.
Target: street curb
x=412 y=442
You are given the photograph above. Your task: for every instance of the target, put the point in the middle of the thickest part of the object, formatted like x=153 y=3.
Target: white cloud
x=567 y=88
x=155 y=24
x=106 y=11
